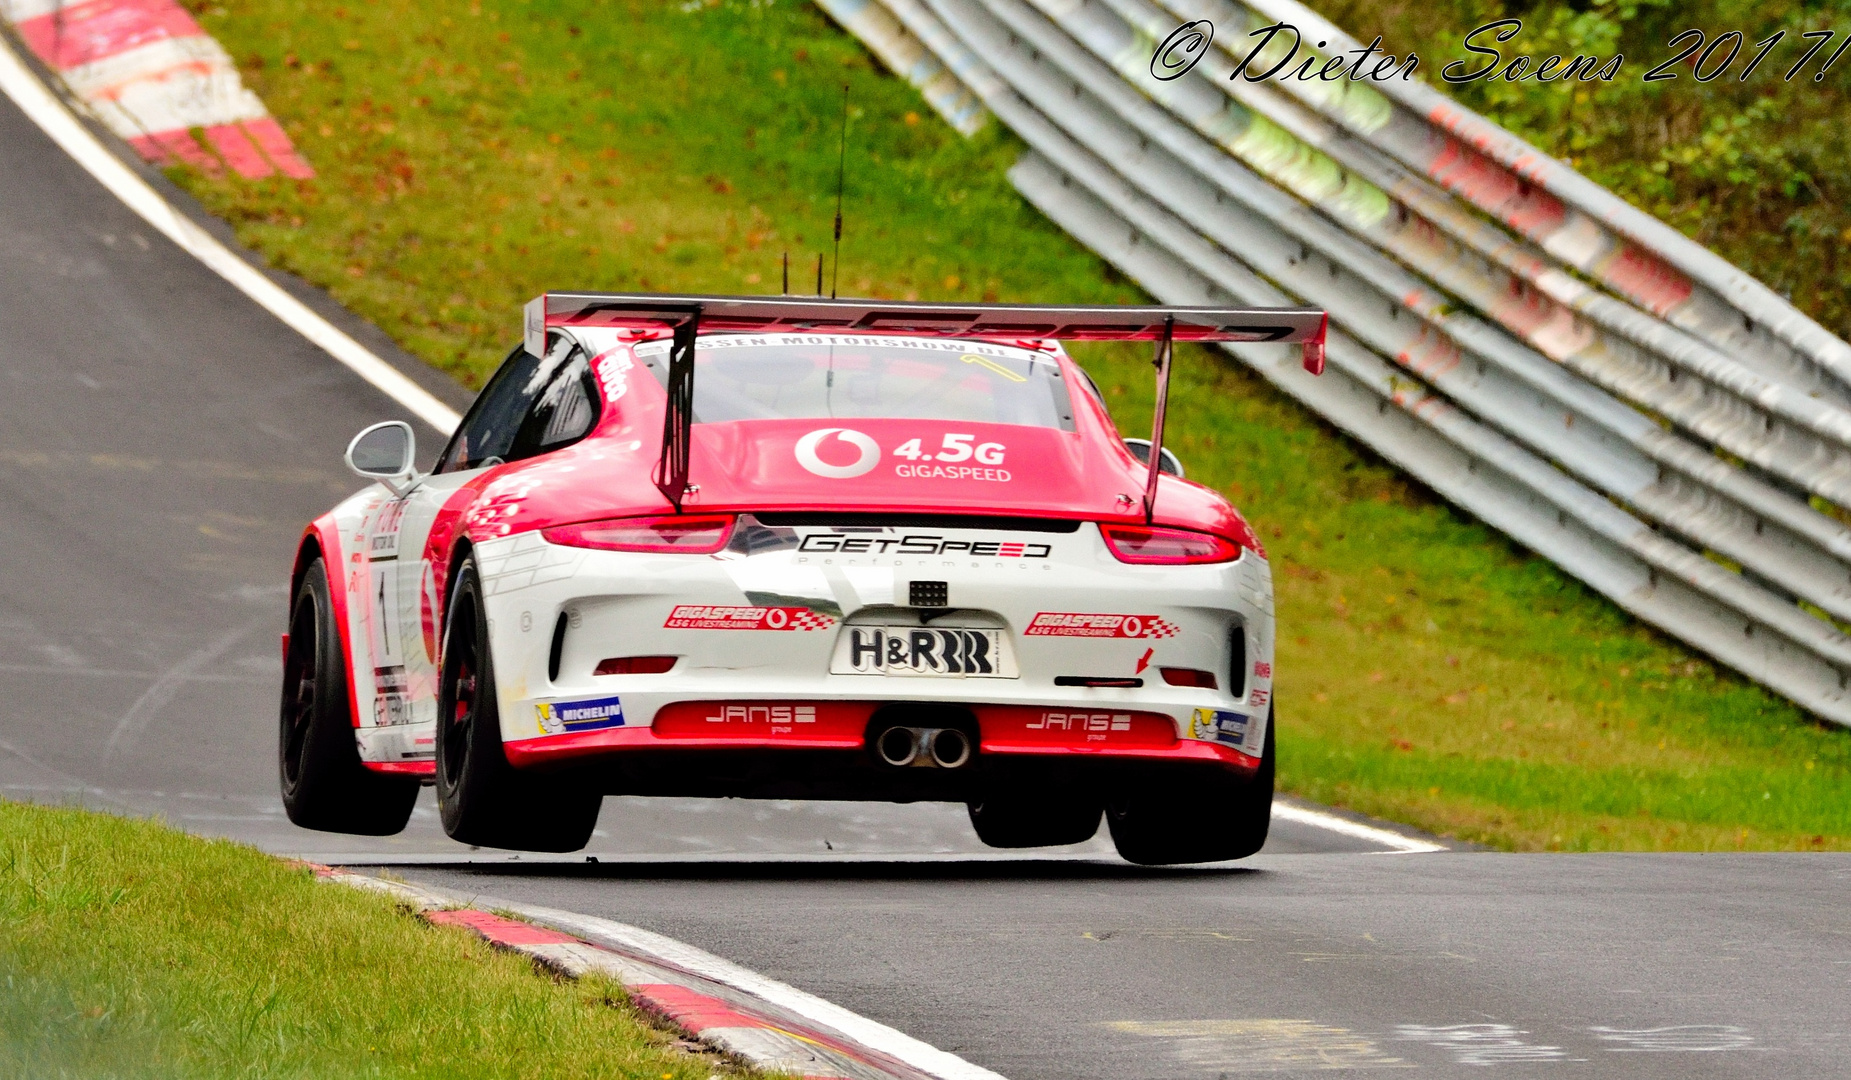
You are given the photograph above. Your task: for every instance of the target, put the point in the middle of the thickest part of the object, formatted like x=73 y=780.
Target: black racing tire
x=1036 y=819
x=481 y=798
x=1211 y=819
x=325 y=786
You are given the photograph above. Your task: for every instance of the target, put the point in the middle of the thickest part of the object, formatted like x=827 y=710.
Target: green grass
x=130 y=949
x=473 y=156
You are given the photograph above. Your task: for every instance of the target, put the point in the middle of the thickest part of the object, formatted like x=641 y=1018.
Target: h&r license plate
x=946 y=651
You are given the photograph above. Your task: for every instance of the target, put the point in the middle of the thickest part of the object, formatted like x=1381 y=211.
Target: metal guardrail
x=1596 y=433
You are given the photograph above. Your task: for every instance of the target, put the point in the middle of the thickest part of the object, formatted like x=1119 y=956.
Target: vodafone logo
x=869 y=453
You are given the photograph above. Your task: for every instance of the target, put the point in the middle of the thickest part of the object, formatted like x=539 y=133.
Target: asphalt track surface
x=162 y=441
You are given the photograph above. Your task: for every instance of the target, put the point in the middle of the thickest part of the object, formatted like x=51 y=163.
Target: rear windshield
x=841 y=377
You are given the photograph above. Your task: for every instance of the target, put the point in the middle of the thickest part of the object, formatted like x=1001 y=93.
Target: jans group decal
x=588 y=715
x=1025 y=727
x=1077 y=624
x=711 y=617
x=1080 y=721
x=741 y=713
x=1219 y=725
x=922 y=544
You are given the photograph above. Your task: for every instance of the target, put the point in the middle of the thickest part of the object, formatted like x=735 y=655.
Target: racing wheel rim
x=300 y=676
x=463 y=683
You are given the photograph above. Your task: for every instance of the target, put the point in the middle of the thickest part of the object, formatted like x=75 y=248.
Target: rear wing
x=686 y=317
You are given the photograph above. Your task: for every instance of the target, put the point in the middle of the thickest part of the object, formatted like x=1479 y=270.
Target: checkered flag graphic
x=811 y=620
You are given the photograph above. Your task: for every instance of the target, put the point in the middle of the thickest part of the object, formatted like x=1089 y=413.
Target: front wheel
x=480 y=797
x=1205 y=820
x=325 y=786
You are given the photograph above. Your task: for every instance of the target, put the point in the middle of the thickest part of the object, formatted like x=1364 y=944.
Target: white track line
x=1395 y=842
x=52 y=117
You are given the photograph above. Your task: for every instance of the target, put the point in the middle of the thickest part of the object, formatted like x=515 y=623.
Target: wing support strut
x=678 y=418
x=1161 y=361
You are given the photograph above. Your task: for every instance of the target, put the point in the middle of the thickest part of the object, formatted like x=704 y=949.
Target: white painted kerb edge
x=1395 y=842
x=896 y=1044
x=44 y=109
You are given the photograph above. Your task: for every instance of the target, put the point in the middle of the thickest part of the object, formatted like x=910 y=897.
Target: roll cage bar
x=684 y=317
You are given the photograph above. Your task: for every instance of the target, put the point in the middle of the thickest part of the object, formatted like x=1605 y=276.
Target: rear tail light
x=1155 y=545
x=634 y=665
x=681 y=534
x=1183 y=676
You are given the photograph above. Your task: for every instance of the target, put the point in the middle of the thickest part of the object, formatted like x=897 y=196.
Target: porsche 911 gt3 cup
x=792 y=548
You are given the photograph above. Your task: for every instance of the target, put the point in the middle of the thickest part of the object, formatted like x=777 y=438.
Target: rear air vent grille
x=1237 y=673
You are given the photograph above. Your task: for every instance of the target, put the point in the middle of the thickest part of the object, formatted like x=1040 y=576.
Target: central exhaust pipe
x=898 y=746
x=943 y=748
x=950 y=747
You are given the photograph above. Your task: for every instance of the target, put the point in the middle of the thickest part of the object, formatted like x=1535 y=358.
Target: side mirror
x=387 y=453
x=1166 y=461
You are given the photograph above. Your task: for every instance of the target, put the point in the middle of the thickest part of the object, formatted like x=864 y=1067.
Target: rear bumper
x=576 y=746
x=834 y=759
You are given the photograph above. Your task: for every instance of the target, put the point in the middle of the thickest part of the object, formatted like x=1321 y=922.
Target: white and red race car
x=793 y=548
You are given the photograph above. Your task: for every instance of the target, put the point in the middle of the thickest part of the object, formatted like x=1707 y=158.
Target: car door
x=531 y=406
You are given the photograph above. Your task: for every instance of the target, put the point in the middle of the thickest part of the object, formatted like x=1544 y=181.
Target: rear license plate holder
x=944 y=652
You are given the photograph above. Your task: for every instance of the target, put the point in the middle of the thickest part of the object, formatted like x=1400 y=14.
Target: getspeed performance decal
x=588 y=715
x=923 y=544
x=1081 y=624
x=717 y=617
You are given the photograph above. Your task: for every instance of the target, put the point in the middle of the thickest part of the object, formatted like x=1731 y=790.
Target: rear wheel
x=482 y=799
x=325 y=786
x=1204 y=820
x=1034 y=820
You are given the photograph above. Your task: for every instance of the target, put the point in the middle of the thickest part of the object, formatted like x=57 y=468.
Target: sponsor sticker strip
x=587 y=715
x=1219 y=725
x=953 y=447
x=742 y=617
x=1080 y=624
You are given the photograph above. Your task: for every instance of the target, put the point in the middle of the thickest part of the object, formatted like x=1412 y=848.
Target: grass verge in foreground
x=474 y=155
x=128 y=948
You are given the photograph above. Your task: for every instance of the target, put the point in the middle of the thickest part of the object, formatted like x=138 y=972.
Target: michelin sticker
x=1219 y=725
x=590 y=715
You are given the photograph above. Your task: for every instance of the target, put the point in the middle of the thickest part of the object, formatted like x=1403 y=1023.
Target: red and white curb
x=765 y=1022
x=152 y=76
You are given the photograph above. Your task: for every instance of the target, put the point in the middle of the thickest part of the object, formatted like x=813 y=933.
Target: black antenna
x=819 y=273
x=787 y=273
x=835 y=272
